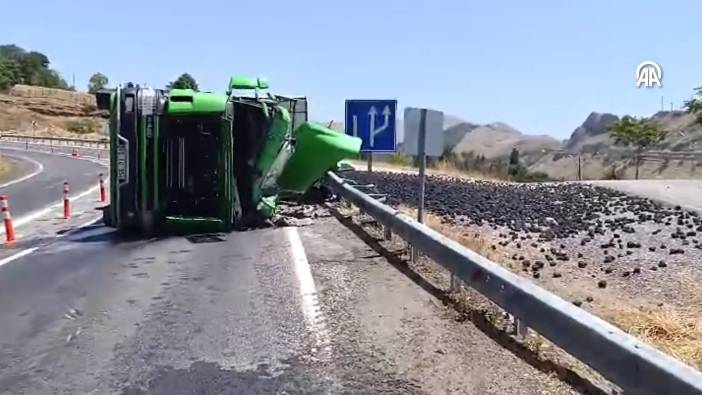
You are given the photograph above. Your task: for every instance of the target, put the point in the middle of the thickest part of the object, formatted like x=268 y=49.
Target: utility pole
x=580 y=169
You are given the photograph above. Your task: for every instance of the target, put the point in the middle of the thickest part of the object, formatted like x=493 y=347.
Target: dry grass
x=48 y=117
x=676 y=331
x=442 y=168
x=473 y=301
x=60 y=94
x=471 y=240
x=447 y=167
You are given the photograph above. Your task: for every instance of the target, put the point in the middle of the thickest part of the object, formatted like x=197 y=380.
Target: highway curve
x=46 y=187
x=270 y=311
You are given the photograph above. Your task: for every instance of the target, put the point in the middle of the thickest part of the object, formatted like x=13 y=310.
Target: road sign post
x=422 y=163
x=424 y=136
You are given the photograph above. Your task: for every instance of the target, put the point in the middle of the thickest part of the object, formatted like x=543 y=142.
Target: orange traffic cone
x=66 y=202
x=9 y=228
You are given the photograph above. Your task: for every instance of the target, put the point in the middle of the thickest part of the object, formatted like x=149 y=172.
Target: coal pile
x=617 y=224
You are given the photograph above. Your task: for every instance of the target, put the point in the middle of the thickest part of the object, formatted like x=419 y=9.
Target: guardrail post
x=103 y=194
x=455 y=284
x=387 y=233
x=520 y=329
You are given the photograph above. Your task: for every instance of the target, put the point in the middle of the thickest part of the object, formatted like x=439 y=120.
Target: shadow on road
x=477 y=317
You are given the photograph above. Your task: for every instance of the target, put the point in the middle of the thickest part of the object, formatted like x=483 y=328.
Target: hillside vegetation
x=50 y=112
x=18 y=66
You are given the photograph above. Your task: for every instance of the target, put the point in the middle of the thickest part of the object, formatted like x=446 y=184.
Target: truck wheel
x=106 y=217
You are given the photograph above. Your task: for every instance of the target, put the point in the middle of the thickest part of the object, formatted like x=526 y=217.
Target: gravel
x=579 y=228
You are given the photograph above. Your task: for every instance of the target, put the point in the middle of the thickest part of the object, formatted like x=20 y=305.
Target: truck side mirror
x=102 y=97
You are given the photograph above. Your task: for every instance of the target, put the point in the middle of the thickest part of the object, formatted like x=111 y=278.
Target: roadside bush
x=82 y=126
x=399 y=159
x=611 y=173
x=519 y=173
x=537 y=176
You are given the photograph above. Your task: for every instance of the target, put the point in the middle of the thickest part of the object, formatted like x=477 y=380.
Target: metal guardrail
x=633 y=365
x=89 y=143
x=672 y=155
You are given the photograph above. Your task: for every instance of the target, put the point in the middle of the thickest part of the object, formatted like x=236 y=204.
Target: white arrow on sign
x=355 y=126
x=373 y=131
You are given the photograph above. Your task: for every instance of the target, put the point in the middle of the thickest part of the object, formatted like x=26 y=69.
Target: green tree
x=514 y=166
x=9 y=73
x=11 y=51
x=18 y=66
x=638 y=133
x=50 y=79
x=185 y=81
x=32 y=65
x=694 y=105
x=97 y=81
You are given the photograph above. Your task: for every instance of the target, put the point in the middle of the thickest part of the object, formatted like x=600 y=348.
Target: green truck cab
x=185 y=161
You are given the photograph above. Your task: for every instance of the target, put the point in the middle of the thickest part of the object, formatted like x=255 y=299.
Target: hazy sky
x=540 y=66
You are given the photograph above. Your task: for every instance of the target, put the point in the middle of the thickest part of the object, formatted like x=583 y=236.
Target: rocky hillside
x=592 y=133
x=496 y=140
x=598 y=152
x=684 y=133
x=50 y=112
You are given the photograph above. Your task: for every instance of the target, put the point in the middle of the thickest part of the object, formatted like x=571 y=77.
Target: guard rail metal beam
x=626 y=361
x=105 y=143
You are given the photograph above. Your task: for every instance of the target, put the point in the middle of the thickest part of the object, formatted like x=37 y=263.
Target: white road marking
x=313 y=316
x=39 y=213
x=38 y=168
x=28 y=251
x=17 y=255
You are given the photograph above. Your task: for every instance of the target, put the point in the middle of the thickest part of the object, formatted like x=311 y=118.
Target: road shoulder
x=401 y=329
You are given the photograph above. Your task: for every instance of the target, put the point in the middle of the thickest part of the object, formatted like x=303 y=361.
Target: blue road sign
x=374 y=122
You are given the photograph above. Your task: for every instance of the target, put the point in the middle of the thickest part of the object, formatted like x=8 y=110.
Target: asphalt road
x=271 y=311
x=685 y=193
x=46 y=187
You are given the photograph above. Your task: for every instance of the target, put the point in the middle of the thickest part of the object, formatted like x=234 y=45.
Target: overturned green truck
x=187 y=161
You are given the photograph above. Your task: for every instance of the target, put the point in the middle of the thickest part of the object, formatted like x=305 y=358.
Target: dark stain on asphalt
x=210 y=378
x=292 y=377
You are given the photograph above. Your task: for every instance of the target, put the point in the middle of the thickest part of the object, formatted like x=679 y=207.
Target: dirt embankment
x=51 y=112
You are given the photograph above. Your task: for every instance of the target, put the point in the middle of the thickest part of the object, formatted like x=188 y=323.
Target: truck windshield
x=191 y=165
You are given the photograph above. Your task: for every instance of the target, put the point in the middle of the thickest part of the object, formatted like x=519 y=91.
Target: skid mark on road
x=310 y=303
